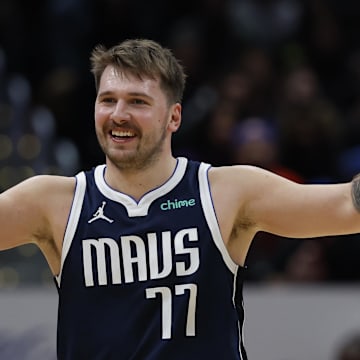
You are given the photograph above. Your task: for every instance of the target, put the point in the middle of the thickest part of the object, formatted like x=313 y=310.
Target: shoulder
x=41 y=191
x=240 y=185
x=47 y=185
x=36 y=210
x=230 y=184
x=58 y=189
x=236 y=175
x=246 y=175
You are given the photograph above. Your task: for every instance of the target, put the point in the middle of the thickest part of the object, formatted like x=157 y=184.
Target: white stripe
x=240 y=325
x=209 y=211
x=210 y=215
x=73 y=219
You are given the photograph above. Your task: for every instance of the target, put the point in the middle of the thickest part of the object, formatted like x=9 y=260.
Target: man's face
x=132 y=119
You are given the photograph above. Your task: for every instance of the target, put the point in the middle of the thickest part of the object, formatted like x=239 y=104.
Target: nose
x=120 y=112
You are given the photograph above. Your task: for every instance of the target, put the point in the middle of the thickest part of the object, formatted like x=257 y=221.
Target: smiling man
x=148 y=250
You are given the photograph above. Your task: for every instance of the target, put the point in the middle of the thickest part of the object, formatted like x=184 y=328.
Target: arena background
x=272 y=83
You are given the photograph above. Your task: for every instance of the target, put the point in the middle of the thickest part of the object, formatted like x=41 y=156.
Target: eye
x=108 y=100
x=138 y=101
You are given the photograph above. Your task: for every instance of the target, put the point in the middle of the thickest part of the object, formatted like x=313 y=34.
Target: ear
x=175 y=117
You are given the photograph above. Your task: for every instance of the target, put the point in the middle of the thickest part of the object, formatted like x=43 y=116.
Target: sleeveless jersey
x=148 y=279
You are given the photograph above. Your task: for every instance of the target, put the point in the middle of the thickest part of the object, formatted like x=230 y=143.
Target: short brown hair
x=143 y=58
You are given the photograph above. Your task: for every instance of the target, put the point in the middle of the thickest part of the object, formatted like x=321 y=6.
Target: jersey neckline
x=141 y=207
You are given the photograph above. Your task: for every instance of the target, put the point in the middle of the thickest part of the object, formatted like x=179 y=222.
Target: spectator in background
x=214 y=145
x=213 y=113
x=265 y=23
x=258 y=65
x=255 y=141
x=311 y=128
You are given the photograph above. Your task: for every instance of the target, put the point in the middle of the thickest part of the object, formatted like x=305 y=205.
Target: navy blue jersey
x=148 y=279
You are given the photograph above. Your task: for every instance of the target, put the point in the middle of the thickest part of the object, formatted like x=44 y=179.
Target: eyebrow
x=133 y=93
x=141 y=95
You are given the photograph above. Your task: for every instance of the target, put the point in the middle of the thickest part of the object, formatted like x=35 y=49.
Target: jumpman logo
x=100 y=214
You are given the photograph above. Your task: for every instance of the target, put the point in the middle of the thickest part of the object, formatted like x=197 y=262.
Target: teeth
x=122 y=133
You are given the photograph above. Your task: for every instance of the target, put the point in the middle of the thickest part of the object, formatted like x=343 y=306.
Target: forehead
x=115 y=79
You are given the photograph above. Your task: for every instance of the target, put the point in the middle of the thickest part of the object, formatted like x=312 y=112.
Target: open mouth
x=122 y=134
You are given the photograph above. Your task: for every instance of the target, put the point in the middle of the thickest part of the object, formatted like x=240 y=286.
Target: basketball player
x=148 y=250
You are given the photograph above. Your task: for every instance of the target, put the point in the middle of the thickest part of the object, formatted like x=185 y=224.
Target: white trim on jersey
x=211 y=219
x=241 y=324
x=72 y=220
x=141 y=207
x=210 y=215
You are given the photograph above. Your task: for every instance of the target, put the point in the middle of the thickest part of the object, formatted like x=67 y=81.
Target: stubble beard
x=147 y=153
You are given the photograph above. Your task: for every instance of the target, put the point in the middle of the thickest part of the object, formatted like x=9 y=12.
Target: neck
x=137 y=182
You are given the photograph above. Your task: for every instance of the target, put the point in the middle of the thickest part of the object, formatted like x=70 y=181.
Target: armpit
x=242 y=224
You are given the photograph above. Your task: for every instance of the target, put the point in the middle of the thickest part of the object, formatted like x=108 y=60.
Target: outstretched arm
x=248 y=199
x=36 y=211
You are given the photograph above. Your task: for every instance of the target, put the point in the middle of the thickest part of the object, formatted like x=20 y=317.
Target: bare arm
x=35 y=211
x=285 y=208
x=249 y=199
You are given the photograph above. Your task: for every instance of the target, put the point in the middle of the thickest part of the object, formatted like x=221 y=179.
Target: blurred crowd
x=273 y=83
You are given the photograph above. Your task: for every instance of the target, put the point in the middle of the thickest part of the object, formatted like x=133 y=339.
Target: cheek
x=97 y=121
x=100 y=116
x=99 y=124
